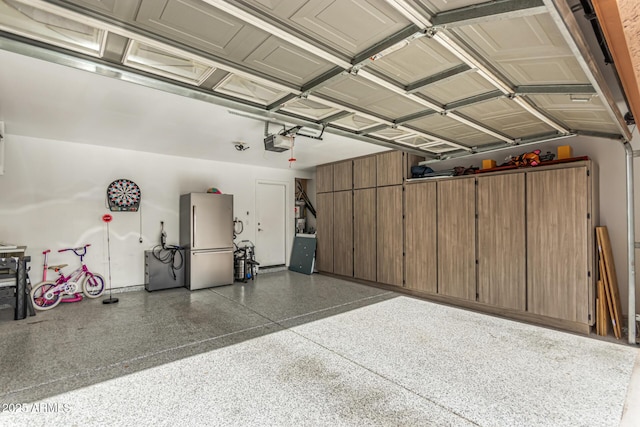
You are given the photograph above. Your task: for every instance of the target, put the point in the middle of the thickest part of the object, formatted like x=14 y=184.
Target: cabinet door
x=502 y=241
x=324 y=225
x=389 y=168
x=364 y=172
x=457 y=238
x=557 y=244
x=343 y=233
x=343 y=176
x=324 y=178
x=420 y=238
x=389 y=235
x=364 y=234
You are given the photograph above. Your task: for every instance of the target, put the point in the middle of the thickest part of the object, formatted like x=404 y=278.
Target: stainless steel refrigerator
x=206 y=232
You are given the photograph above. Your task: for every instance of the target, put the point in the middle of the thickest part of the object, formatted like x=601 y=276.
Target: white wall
x=609 y=155
x=53 y=195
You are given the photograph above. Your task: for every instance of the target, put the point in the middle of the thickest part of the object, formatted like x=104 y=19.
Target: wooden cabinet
x=389 y=235
x=364 y=234
x=343 y=176
x=558 y=242
x=420 y=241
x=457 y=238
x=389 y=167
x=364 y=172
x=502 y=241
x=343 y=233
x=324 y=223
x=517 y=243
x=324 y=178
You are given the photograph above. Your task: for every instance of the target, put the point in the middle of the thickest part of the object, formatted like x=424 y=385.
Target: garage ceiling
x=436 y=77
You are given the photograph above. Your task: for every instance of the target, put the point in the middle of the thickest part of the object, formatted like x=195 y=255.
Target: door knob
x=259 y=229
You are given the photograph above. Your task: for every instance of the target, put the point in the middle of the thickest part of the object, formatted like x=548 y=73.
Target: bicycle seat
x=56 y=267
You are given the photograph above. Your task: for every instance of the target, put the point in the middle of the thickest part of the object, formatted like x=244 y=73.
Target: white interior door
x=271 y=220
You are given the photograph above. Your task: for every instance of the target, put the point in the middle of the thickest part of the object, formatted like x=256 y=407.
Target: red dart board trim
x=123 y=195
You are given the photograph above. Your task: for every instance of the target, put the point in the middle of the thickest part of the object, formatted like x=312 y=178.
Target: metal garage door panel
x=240 y=87
x=348 y=26
x=453 y=130
x=215 y=78
x=285 y=61
x=167 y=64
x=311 y=109
x=440 y=148
x=354 y=90
x=420 y=59
x=355 y=122
x=458 y=87
x=201 y=26
x=123 y=9
x=585 y=116
x=437 y=6
x=391 y=133
x=415 y=141
x=56 y=29
x=395 y=106
x=506 y=117
x=207 y=28
x=527 y=50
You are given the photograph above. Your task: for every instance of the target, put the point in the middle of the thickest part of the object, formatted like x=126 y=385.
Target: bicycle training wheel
x=39 y=299
x=93 y=285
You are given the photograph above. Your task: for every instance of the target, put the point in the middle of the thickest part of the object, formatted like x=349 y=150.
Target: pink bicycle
x=48 y=294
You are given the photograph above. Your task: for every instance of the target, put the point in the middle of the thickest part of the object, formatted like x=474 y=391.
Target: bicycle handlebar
x=75 y=250
x=46 y=252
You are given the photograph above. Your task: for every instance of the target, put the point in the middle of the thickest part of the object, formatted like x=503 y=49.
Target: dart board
x=123 y=195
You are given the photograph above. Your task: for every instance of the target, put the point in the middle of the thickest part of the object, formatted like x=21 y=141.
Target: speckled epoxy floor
x=291 y=349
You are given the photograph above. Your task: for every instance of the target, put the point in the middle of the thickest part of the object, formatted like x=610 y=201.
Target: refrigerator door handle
x=194 y=222
x=211 y=251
